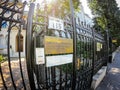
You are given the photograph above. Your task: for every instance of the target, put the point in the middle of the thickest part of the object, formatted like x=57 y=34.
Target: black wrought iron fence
x=100 y=58
x=84 y=62
x=12 y=69
x=51 y=41
x=61 y=54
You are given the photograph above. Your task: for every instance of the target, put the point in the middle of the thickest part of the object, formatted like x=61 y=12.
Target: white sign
x=55 y=23
x=40 y=58
x=58 y=60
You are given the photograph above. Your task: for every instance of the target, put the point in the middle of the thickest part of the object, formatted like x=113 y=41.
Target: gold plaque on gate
x=57 y=45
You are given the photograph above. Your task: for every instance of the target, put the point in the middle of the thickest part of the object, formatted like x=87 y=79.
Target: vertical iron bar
x=46 y=21
x=91 y=47
x=20 y=64
x=74 y=45
x=19 y=53
x=8 y=49
x=80 y=44
x=9 y=60
x=83 y=53
x=53 y=77
x=90 y=52
x=66 y=76
x=49 y=77
x=60 y=78
x=107 y=32
x=2 y=77
x=29 y=46
x=37 y=67
x=86 y=51
x=93 y=61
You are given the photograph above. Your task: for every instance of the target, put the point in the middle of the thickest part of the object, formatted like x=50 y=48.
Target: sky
x=87 y=9
x=118 y=1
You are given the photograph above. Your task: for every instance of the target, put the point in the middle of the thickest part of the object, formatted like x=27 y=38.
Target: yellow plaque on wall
x=114 y=41
x=57 y=45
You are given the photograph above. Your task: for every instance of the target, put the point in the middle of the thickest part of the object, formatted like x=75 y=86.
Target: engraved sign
x=57 y=45
x=40 y=59
x=55 y=23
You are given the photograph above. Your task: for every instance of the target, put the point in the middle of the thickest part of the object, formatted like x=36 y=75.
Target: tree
x=61 y=8
x=106 y=15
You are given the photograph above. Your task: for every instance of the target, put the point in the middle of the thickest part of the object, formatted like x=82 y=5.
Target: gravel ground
x=16 y=75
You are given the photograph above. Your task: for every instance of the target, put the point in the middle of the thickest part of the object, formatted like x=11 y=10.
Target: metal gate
x=64 y=56
x=12 y=70
x=50 y=65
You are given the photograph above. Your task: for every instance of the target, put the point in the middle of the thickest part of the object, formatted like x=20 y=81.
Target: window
x=2 y=42
x=4 y=24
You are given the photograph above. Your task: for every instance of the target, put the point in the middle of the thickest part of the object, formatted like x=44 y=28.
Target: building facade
x=83 y=18
x=13 y=37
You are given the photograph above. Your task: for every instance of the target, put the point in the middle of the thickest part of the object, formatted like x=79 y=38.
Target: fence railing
x=60 y=53
x=11 y=14
x=91 y=52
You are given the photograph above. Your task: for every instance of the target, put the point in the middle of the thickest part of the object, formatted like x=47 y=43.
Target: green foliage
x=67 y=68
x=60 y=8
x=82 y=48
x=55 y=8
x=107 y=15
x=1 y=58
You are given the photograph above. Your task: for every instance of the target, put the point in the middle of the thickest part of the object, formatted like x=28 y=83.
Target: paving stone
x=112 y=80
x=16 y=75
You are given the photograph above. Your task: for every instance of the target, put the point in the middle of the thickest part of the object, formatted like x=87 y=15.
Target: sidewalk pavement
x=112 y=79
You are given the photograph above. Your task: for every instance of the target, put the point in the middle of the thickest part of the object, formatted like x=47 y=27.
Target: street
x=112 y=79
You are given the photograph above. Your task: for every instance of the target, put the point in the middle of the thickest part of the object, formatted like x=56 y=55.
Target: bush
x=1 y=58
